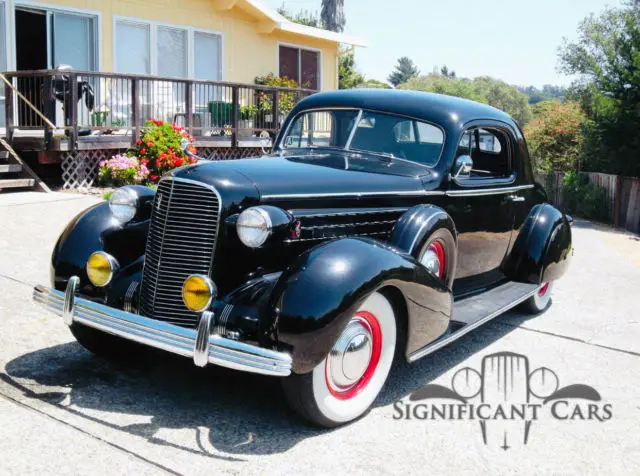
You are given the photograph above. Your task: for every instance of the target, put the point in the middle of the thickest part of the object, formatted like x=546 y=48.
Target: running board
x=474 y=311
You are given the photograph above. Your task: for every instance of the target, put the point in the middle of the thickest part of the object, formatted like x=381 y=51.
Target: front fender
x=317 y=295
x=542 y=251
x=95 y=229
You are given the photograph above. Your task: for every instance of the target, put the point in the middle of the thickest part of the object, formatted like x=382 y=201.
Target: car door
x=481 y=204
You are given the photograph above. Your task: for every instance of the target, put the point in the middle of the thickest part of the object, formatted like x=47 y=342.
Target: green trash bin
x=221 y=113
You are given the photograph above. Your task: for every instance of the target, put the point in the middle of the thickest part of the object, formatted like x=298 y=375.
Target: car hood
x=316 y=174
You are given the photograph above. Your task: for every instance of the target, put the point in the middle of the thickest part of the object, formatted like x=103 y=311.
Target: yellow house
x=229 y=40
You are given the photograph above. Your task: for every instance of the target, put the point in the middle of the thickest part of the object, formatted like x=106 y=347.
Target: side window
x=490 y=150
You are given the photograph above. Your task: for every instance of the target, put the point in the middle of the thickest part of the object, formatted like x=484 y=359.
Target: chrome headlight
x=254 y=226
x=124 y=204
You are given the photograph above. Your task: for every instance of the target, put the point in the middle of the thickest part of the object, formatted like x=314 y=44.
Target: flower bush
x=160 y=148
x=554 y=135
x=123 y=170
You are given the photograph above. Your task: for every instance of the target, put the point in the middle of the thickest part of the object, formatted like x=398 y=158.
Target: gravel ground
x=65 y=411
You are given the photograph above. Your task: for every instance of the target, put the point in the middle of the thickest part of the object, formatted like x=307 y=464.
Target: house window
x=165 y=50
x=133 y=48
x=207 y=50
x=301 y=65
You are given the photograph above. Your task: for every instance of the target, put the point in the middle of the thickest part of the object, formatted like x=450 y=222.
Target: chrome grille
x=181 y=242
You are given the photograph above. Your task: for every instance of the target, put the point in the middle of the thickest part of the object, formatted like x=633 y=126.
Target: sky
x=513 y=40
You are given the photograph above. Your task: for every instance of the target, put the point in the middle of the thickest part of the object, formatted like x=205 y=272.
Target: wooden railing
x=120 y=104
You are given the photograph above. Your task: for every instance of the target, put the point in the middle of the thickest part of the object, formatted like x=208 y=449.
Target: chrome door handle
x=514 y=198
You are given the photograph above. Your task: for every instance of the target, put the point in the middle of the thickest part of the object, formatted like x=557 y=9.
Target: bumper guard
x=199 y=344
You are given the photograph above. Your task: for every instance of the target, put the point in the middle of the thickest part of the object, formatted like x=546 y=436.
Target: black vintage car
x=384 y=223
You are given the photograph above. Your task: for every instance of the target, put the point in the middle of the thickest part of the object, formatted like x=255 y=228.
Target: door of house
x=47 y=39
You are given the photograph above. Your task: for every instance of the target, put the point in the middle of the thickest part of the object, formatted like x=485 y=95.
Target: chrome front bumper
x=199 y=344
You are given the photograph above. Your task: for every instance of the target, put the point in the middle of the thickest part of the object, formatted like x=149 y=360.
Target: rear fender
x=319 y=293
x=542 y=251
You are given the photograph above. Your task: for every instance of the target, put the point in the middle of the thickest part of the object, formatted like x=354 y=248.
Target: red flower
x=144 y=161
x=138 y=142
x=143 y=151
x=154 y=178
x=149 y=143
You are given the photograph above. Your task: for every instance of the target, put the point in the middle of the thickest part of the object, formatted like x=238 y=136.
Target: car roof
x=439 y=108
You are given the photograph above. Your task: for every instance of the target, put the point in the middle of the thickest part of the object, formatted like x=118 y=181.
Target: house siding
x=246 y=53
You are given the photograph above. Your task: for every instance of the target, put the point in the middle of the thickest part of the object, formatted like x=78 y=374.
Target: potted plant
x=247 y=120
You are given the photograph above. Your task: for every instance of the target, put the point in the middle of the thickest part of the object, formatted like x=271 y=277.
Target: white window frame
x=50 y=8
x=153 y=36
x=300 y=48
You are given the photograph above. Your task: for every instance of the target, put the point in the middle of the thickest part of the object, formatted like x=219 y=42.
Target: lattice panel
x=80 y=168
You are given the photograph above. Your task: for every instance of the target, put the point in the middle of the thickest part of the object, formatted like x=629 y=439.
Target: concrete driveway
x=64 y=411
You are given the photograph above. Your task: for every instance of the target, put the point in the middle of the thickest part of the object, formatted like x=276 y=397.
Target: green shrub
x=583 y=198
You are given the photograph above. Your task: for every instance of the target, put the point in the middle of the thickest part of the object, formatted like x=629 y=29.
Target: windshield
x=371 y=132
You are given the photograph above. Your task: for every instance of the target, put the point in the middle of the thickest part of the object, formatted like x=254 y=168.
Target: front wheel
x=540 y=300
x=346 y=383
x=107 y=346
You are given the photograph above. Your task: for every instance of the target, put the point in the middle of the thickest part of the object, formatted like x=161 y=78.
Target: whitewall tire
x=346 y=383
x=540 y=300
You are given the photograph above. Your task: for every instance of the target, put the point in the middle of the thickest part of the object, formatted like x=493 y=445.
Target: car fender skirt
x=542 y=251
x=319 y=293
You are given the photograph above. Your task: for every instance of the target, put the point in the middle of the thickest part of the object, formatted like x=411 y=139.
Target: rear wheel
x=540 y=300
x=105 y=345
x=346 y=383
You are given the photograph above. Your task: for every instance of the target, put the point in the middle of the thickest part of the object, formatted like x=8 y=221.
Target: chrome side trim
x=128 y=297
x=69 y=297
x=163 y=335
x=221 y=324
x=340 y=212
x=411 y=193
x=480 y=192
x=418 y=354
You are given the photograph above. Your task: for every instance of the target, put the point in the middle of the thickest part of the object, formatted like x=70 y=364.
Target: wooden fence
x=621 y=196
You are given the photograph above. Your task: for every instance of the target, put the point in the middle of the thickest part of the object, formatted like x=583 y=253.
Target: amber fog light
x=197 y=292
x=101 y=267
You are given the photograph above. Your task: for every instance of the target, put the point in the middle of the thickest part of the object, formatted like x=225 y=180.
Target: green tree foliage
x=482 y=89
x=332 y=15
x=447 y=73
x=348 y=77
x=606 y=57
x=547 y=93
x=374 y=84
x=554 y=135
x=404 y=71
x=302 y=17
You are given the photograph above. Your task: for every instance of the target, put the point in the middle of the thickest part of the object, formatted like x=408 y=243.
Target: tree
x=303 y=17
x=482 y=89
x=332 y=15
x=554 y=135
x=374 y=84
x=404 y=71
x=547 y=93
x=444 y=71
x=606 y=58
x=348 y=77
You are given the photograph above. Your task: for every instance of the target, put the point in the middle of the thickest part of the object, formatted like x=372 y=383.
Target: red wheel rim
x=438 y=249
x=370 y=322
x=543 y=290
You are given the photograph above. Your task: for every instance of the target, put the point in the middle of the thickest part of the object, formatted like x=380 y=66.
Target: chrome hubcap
x=431 y=261
x=350 y=356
